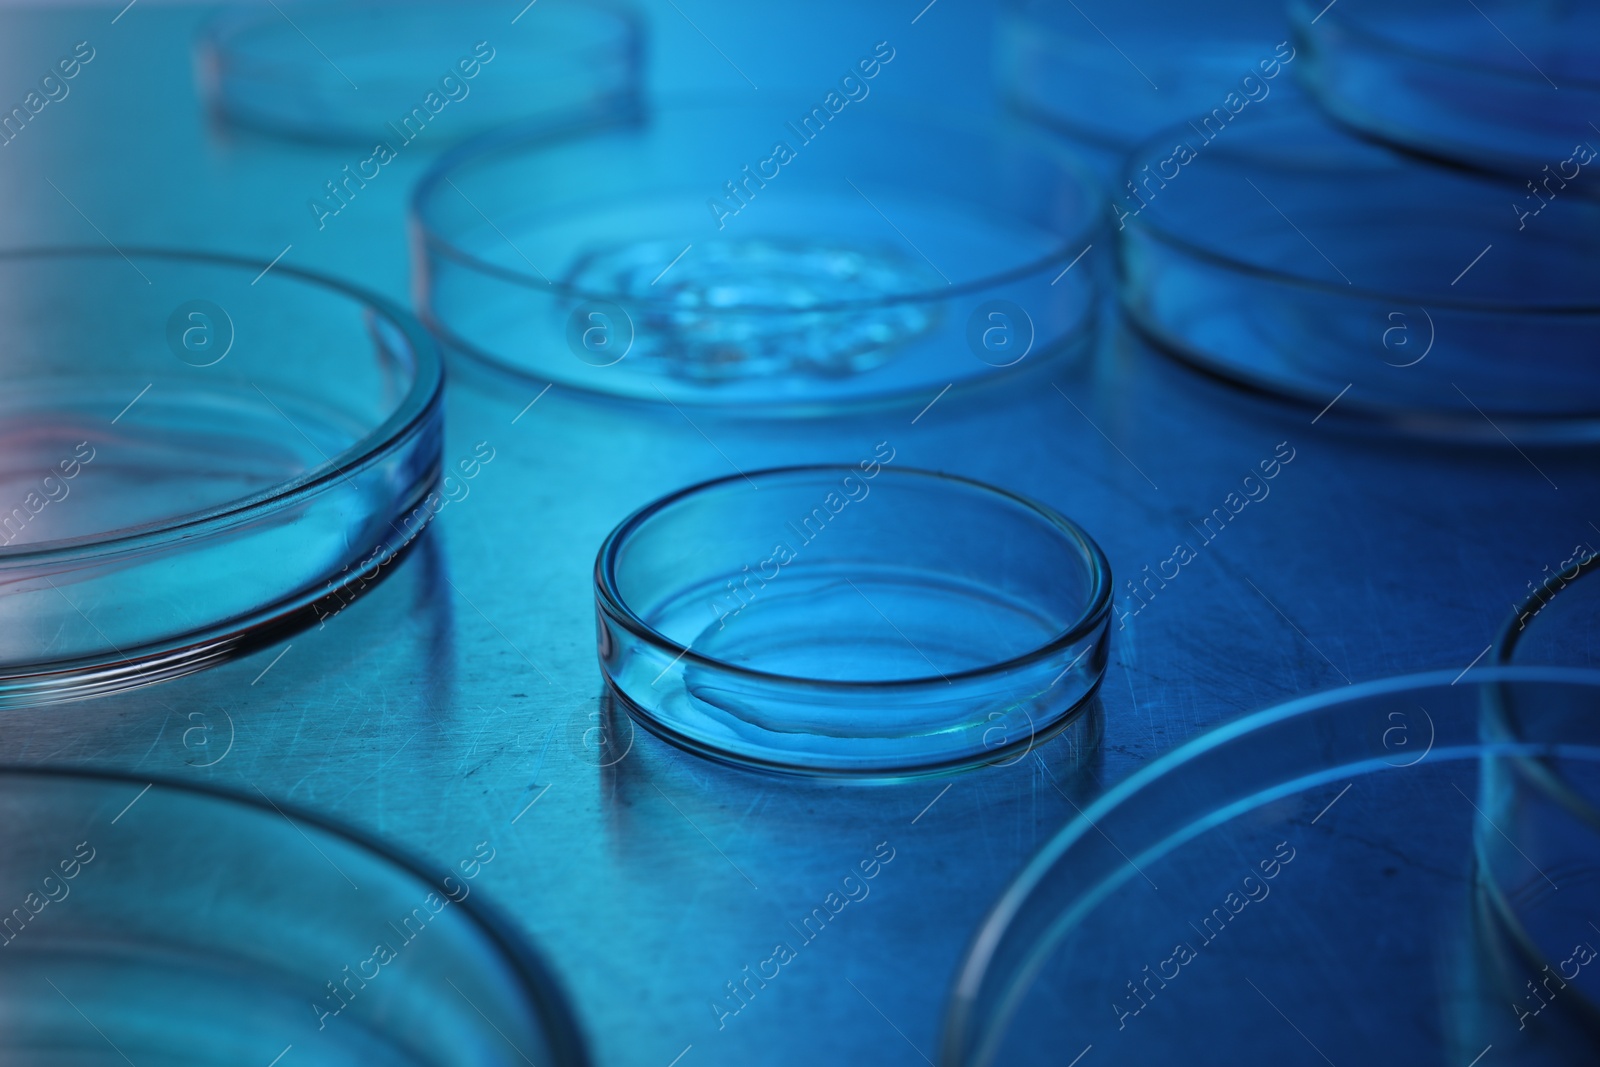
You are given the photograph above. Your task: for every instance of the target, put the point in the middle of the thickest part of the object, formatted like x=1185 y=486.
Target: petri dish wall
x=1496 y=84
x=1107 y=76
x=852 y=621
x=365 y=71
x=1308 y=883
x=787 y=257
x=1294 y=258
x=1550 y=806
x=154 y=923
x=195 y=449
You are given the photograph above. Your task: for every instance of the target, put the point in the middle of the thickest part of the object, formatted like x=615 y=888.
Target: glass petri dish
x=389 y=72
x=1305 y=884
x=851 y=621
x=1108 y=76
x=1495 y=84
x=1550 y=807
x=195 y=449
x=785 y=256
x=1294 y=258
x=151 y=922
x=1558 y=622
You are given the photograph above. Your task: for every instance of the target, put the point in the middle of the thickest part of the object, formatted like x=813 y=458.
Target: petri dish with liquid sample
x=783 y=257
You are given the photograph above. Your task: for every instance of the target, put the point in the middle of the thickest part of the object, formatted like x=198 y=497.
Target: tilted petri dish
x=870 y=621
x=368 y=72
x=1295 y=258
x=1109 y=75
x=786 y=256
x=195 y=448
x=1496 y=84
x=1303 y=885
x=152 y=922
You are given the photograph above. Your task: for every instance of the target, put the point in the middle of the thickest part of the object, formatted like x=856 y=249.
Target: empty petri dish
x=791 y=256
x=194 y=448
x=150 y=922
x=371 y=72
x=1108 y=76
x=1295 y=258
x=1307 y=884
x=1494 y=84
x=867 y=620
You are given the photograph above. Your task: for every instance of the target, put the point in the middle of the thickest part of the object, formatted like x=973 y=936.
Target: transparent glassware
x=1307 y=883
x=866 y=621
x=365 y=72
x=195 y=450
x=1497 y=84
x=1550 y=805
x=1297 y=259
x=786 y=256
x=150 y=922
x=1108 y=75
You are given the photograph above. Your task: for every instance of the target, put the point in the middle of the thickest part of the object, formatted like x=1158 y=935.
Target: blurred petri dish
x=1558 y=622
x=852 y=621
x=1545 y=871
x=1302 y=885
x=369 y=72
x=1495 y=84
x=1109 y=75
x=787 y=257
x=150 y=922
x=194 y=449
x=1292 y=257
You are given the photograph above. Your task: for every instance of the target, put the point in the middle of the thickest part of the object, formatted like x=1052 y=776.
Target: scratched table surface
x=459 y=701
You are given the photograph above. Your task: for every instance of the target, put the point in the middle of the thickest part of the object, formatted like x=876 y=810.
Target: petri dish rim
x=1218 y=258
x=1098 y=602
x=1299 y=10
x=532 y=133
x=221 y=35
x=962 y=1024
x=423 y=396
x=539 y=985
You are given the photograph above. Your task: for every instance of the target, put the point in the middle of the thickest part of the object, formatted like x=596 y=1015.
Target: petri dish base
x=195 y=451
x=860 y=621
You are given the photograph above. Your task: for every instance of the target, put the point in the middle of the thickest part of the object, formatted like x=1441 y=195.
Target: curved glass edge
x=1354 y=74
x=435 y=256
x=211 y=46
x=421 y=406
x=542 y=990
x=1055 y=681
x=969 y=1037
x=399 y=461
